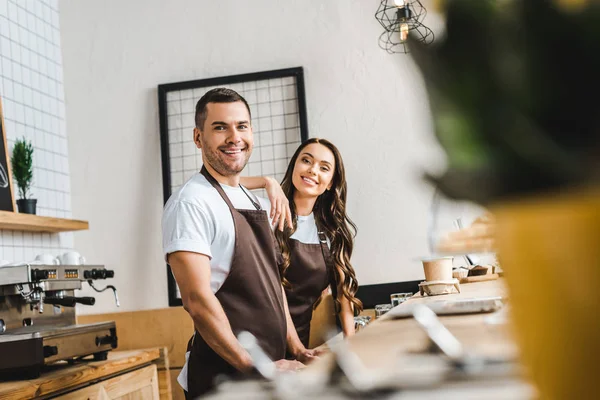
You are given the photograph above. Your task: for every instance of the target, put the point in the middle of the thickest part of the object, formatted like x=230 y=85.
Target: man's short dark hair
x=218 y=95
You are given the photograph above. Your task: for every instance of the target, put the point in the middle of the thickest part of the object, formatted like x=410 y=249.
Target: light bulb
x=403 y=32
x=399 y=3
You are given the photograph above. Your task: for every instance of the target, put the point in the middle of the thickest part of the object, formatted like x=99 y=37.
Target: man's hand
x=309 y=355
x=280 y=205
x=288 y=365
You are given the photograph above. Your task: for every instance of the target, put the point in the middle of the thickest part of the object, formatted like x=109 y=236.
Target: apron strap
x=324 y=248
x=330 y=265
x=219 y=189
x=254 y=203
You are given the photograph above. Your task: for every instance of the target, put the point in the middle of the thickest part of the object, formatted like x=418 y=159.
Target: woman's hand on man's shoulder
x=280 y=206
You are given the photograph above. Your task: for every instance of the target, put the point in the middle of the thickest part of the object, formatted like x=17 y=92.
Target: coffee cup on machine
x=47 y=259
x=72 y=258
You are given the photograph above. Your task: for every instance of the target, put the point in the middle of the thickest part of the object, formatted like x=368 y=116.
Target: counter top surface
x=61 y=377
x=385 y=338
x=387 y=343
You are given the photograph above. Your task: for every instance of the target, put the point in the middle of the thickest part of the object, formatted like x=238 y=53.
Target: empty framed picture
x=7 y=201
x=278 y=107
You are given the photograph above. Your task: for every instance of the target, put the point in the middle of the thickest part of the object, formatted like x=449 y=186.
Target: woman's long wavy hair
x=330 y=216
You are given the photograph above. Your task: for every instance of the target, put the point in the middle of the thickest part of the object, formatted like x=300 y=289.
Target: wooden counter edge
x=71 y=377
x=164 y=375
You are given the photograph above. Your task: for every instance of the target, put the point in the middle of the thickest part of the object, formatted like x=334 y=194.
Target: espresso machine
x=37 y=317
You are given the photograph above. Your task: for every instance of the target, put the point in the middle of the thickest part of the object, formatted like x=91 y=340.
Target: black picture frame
x=7 y=198
x=164 y=89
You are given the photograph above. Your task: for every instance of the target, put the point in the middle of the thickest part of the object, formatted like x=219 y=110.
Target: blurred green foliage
x=515 y=93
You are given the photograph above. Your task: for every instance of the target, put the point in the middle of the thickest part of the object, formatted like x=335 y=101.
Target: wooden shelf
x=34 y=223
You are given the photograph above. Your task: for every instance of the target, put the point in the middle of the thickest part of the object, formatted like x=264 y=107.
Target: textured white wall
x=371 y=104
x=31 y=89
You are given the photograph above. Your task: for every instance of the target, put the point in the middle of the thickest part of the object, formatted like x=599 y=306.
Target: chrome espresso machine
x=37 y=317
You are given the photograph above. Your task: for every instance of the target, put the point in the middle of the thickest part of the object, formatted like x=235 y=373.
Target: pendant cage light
x=400 y=18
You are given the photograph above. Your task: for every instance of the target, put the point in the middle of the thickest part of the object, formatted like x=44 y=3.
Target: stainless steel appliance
x=37 y=317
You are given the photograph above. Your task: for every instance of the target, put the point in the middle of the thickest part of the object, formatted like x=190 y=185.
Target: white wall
x=31 y=89
x=371 y=104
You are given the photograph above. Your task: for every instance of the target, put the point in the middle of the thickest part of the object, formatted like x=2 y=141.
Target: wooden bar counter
x=126 y=374
x=386 y=342
x=385 y=338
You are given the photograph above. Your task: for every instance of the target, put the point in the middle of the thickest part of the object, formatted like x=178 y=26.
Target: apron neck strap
x=254 y=203
x=216 y=185
x=219 y=189
x=329 y=262
x=325 y=250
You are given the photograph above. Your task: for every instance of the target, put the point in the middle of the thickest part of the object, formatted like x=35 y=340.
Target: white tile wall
x=31 y=88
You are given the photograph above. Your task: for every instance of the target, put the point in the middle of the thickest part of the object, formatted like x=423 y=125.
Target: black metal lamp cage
x=400 y=18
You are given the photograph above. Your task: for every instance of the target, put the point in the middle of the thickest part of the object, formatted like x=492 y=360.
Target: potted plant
x=22 y=168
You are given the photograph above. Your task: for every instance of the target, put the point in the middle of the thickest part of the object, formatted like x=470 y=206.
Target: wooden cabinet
x=138 y=384
x=125 y=375
x=169 y=327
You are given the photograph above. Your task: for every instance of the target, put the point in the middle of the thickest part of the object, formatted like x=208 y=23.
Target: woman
x=317 y=248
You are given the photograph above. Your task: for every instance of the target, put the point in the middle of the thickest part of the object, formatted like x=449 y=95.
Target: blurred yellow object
x=549 y=249
x=322 y=322
x=573 y=5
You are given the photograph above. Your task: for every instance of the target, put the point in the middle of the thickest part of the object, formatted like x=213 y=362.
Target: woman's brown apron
x=311 y=270
x=251 y=297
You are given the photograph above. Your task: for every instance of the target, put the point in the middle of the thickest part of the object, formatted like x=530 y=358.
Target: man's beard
x=214 y=160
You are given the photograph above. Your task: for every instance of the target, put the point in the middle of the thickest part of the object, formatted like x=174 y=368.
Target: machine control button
x=98 y=273
x=71 y=274
x=39 y=274
x=50 y=351
x=103 y=340
x=108 y=339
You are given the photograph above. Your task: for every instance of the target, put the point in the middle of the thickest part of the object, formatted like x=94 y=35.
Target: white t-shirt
x=197 y=219
x=306 y=229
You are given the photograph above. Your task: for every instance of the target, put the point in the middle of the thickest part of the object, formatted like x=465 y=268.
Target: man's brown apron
x=311 y=270
x=251 y=297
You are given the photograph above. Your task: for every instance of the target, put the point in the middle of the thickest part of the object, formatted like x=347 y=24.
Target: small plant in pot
x=22 y=169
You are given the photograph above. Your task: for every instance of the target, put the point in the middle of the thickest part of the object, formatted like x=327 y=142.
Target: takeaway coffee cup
x=437 y=269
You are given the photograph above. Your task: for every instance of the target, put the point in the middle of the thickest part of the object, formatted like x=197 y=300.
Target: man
x=219 y=244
